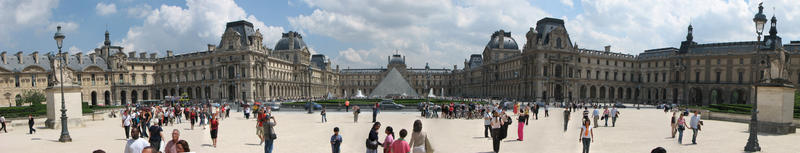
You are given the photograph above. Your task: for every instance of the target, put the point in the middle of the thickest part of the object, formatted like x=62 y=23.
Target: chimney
x=4 y=57
x=455 y=67
x=132 y=54
x=92 y=57
x=35 y=56
x=153 y=55
x=169 y=53
x=608 y=48
x=79 y=56
x=143 y=55
x=211 y=47
x=19 y=57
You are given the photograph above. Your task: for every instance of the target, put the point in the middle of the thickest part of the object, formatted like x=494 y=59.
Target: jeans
x=496 y=140
x=143 y=130
x=372 y=150
x=486 y=130
x=565 y=124
x=680 y=134
x=324 y=119
x=606 y=120
x=268 y=145
x=694 y=136
x=30 y=129
x=336 y=149
x=374 y=115
x=246 y=115
x=614 y=121
x=4 y=126
x=127 y=132
x=586 y=142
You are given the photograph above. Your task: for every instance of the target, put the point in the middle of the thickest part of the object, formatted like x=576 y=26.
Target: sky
x=362 y=33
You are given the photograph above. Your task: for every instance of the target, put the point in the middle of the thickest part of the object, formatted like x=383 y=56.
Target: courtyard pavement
x=637 y=131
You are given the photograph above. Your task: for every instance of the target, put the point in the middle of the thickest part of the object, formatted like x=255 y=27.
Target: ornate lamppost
x=59 y=37
x=752 y=141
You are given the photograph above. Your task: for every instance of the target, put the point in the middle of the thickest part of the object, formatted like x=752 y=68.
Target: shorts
x=259 y=131
x=213 y=134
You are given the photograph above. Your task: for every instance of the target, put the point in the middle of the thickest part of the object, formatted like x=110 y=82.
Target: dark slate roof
x=318 y=61
x=508 y=41
x=660 y=52
x=431 y=71
x=354 y=71
x=13 y=64
x=244 y=28
x=723 y=48
x=396 y=59
x=283 y=43
x=393 y=84
x=544 y=26
x=476 y=60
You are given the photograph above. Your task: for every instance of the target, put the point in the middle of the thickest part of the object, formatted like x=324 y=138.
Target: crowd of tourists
x=149 y=121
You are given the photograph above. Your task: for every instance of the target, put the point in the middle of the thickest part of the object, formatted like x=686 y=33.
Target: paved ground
x=637 y=131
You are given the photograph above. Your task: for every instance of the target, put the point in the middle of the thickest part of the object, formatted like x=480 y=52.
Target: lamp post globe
x=59 y=37
x=752 y=141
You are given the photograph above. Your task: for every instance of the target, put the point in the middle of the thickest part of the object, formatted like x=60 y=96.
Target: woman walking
x=681 y=126
x=214 y=127
x=673 y=124
x=587 y=135
x=520 y=125
x=496 y=123
x=269 y=133
x=372 y=140
x=387 y=142
x=419 y=140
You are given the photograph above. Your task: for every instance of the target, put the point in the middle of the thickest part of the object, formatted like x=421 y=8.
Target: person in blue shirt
x=336 y=141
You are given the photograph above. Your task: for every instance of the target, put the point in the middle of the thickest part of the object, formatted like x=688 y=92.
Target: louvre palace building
x=546 y=67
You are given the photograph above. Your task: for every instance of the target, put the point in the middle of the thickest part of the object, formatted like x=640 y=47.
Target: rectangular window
x=93 y=81
x=144 y=78
x=121 y=78
x=133 y=78
x=697 y=76
x=105 y=76
x=544 y=71
x=648 y=77
x=606 y=76
x=16 y=80
x=663 y=77
x=588 y=74
x=80 y=79
x=33 y=80
x=615 y=74
x=597 y=75
x=718 y=75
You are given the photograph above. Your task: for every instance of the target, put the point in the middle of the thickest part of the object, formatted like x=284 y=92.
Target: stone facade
x=549 y=67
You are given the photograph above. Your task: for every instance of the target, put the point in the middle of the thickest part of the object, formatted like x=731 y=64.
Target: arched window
x=558 y=43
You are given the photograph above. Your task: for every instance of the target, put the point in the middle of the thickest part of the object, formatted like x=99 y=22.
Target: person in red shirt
x=261 y=116
x=214 y=127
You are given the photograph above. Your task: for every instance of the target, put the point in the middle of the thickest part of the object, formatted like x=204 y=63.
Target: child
x=401 y=145
x=336 y=140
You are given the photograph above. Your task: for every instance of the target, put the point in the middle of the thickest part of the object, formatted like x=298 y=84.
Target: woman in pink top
x=681 y=126
x=387 y=143
x=400 y=145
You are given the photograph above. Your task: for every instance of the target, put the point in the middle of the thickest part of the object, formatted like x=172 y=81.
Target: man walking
x=137 y=144
x=375 y=110
x=30 y=125
x=487 y=121
x=566 y=118
x=596 y=116
x=3 y=123
x=695 y=124
x=172 y=145
x=614 y=115
x=126 y=122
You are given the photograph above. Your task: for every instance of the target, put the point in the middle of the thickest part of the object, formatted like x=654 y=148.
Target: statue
x=776 y=68
x=531 y=36
x=58 y=69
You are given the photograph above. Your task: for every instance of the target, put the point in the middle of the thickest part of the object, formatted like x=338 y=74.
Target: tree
x=34 y=97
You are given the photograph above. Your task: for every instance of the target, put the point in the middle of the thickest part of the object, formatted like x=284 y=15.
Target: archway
x=619 y=92
x=628 y=93
x=674 y=95
x=107 y=97
x=123 y=96
x=603 y=93
x=611 y=93
x=94 y=98
x=583 y=92
x=716 y=97
x=145 y=95
x=231 y=92
x=696 y=96
x=163 y=93
x=737 y=97
x=172 y=92
x=593 y=92
x=134 y=97
x=198 y=93
x=559 y=93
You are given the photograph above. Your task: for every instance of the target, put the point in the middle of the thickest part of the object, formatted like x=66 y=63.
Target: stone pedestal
x=775 y=109
x=72 y=100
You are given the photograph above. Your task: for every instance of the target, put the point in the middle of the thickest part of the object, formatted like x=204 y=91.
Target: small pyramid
x=393 y=84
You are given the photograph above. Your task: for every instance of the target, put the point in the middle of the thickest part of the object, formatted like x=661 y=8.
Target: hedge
x=407 y=102
x=41 y=110
x=740 y=109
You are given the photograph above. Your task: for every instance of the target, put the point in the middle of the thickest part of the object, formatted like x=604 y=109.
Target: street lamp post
x=59 y=37
x=752 y=141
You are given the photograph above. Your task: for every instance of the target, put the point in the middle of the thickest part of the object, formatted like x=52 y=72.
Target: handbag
x=271 y=131
x=372 y=144
x=681 y=128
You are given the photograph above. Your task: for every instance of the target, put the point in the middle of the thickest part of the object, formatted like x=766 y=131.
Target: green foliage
x=739 y=109
x=34 y=97
x=14 y=112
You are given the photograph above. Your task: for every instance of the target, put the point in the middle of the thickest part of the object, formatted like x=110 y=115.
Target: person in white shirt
x=614 y=115
x=487 y=121
x=586 y=135
x=137 y=144
x=695 y=125
x=596 y=116
x=126 y=122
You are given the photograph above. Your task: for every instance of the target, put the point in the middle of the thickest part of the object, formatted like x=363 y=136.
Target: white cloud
x=104 y=9
x=140 y=11
x=441 y=32
x=73 y=50
x=568 y=3
x=189 y=29
x=28 y=18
